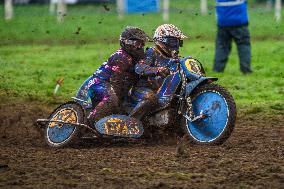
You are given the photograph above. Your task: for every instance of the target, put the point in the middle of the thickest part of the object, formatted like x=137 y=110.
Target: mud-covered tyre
x=58 y=135
x=217 y=126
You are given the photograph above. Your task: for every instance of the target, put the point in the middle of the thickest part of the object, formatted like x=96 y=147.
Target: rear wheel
x=61 y=134
x=220 y=110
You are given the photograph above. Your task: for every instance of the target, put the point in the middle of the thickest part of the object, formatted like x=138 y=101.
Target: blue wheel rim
x=213 y=125
x=58 y=133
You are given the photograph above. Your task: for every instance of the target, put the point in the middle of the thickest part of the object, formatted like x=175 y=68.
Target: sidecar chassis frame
x=42 y=122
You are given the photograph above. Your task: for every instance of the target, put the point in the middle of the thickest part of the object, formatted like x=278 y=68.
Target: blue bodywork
x=171 y=83
x=195 y=79
x=82 y=96
x=168 y=89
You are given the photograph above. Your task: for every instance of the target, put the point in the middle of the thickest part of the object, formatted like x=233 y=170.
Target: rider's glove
x=173 y=61
x=163 y=71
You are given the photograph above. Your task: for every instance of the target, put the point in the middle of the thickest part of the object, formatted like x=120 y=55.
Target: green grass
x=35 y=51
x=33 y=24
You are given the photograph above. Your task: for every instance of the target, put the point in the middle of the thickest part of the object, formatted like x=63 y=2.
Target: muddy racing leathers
x=114 y=78
x=110 y=83
x=152 y=72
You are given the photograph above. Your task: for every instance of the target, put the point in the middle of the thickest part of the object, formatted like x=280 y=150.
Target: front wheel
x=60 y=134
x=219 y=108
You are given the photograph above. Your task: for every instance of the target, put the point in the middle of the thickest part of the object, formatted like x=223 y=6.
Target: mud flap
x=120 y=126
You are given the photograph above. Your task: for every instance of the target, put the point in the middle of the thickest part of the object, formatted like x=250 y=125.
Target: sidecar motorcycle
x=187 y=99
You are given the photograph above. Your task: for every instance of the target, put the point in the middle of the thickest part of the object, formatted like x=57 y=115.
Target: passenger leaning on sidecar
x=155 y=67
x=114 y=78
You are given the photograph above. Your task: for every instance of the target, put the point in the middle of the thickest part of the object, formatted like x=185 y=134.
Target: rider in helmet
x=155 y=67
x=114 y=78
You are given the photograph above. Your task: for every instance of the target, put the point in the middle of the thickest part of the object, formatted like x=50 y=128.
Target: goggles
x=136 y=43
x=172 y=42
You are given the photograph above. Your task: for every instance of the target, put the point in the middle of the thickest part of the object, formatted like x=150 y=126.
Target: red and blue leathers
x=110 y=83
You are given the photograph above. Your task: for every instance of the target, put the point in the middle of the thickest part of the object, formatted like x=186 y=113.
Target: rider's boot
x=141 y=109
x=91 y=119
x=107 y=106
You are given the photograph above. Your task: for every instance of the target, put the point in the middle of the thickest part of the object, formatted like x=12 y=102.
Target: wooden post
x=166 y=5
x=61 y=10
x=52 y=7
x=8 y=6
x=203 y=7
x=120 y=8
x=278 y=10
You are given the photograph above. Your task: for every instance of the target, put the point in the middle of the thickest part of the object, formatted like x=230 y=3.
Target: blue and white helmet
x=168 y=30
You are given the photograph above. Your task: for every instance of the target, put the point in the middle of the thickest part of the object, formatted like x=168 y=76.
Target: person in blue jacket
x=232 y=19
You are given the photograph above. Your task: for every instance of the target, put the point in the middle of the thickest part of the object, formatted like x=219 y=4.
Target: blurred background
x=42 y=41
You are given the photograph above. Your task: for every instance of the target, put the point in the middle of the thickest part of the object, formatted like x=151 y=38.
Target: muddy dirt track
x=253 y=157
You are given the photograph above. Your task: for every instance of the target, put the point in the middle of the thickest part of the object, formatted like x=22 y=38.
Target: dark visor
x=173 y=42
x=136 y=43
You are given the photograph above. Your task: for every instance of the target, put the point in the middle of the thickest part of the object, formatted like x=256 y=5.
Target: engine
x=161 y=118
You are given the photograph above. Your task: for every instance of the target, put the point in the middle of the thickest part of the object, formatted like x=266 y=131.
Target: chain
x=189 y=110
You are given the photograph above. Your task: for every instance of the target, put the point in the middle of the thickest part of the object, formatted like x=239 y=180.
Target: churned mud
x=253 y=157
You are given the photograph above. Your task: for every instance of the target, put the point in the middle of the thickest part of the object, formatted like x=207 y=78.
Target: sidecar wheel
x=217 y=126
x=59 y=135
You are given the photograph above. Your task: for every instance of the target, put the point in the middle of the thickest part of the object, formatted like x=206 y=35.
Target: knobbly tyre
x=188 y=99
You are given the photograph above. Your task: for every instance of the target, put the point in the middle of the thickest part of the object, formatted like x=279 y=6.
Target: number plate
x=120 y=125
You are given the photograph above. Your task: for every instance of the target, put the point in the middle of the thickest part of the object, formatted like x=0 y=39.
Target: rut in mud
x=252 y=157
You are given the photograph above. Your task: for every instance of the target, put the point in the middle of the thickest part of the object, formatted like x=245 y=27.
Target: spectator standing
x=232 y=20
